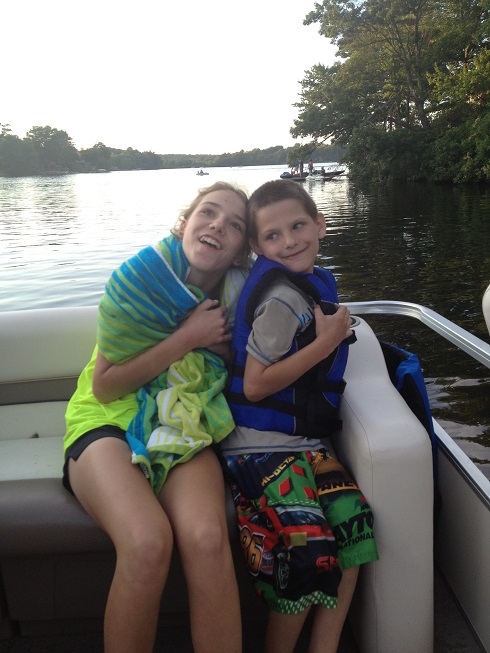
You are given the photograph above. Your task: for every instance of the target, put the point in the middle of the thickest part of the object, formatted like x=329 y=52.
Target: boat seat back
x=389 y=453
x=56 y=564
x=42 y=354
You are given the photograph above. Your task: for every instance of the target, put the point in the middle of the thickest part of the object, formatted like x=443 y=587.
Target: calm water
x=60 y=238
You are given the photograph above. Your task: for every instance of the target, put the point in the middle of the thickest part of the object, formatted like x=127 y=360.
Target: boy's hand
x=333 y=328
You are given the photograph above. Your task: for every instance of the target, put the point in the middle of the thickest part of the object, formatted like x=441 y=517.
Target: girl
x=156 y=324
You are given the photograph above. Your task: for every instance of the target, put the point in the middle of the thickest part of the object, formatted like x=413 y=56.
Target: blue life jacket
x=407 y=377
x=309 y=407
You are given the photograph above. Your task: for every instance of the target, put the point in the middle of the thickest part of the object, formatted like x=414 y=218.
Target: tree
x=299 y=152
x=17 y=157
x=413 y=65
x=54 y=148
x=97 y=157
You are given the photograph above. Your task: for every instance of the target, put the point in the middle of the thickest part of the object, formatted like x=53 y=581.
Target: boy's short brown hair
x=277 y=191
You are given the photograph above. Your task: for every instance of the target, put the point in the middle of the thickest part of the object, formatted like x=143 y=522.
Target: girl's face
x=213 y=237
x=288 y=235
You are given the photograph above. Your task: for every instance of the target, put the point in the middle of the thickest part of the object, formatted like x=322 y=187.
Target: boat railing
x=467 y=342
x=464 y=340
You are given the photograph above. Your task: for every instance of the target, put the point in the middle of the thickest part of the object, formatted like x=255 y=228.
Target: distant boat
x=316 y=175
x=325 y=175
x=295 y=177
x=201 y=173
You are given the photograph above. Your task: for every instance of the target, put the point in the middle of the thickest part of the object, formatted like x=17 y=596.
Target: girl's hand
x=333 y=328
x=207 y=325
x=223 y=350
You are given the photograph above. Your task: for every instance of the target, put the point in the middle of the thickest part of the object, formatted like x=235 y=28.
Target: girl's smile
x=214 y=237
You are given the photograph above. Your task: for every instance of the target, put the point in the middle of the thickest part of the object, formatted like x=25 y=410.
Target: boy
x=304 y=525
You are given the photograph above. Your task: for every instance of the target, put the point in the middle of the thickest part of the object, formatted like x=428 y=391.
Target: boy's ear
x=321 y=225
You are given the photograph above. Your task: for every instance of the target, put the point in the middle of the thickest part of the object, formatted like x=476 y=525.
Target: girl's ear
x=321 y=225
x=240 y=260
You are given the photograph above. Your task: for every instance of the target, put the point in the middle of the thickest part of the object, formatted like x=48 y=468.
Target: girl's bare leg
x=328 y=623
x=193 y=497
x=119 y=498
x=283 y=631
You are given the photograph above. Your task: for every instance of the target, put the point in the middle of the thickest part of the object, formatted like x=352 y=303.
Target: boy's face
x=286 y=234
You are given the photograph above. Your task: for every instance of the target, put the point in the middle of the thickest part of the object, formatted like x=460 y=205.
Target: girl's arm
x=261 y=380
x=202 y=328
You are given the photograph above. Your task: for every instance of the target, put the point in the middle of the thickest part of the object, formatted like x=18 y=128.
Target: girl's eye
x=271 y=237
x=237 y=226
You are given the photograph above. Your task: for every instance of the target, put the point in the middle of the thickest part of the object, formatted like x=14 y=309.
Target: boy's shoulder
x=282 y=288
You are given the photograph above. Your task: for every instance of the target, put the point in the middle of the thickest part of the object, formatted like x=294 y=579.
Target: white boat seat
x=56 y=564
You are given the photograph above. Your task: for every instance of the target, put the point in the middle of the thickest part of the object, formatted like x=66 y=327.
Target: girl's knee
x=207 y=539
x=146 y=550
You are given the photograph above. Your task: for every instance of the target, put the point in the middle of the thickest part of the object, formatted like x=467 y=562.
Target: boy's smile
x=286 y=234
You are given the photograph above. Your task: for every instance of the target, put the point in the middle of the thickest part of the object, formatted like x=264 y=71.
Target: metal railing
x=464 y=340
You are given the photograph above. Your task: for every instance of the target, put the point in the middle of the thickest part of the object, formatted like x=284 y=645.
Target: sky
x=191 y=77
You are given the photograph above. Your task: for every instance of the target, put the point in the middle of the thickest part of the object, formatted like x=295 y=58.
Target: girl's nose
x=219 y=224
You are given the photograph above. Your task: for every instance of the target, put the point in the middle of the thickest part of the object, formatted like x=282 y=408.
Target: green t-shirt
x=85 y=413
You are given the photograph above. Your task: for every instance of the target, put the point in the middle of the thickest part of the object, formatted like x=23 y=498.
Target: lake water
x=61 y=237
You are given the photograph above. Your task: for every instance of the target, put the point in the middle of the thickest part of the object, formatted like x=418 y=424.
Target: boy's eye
x=298 y=225
x=271 y=236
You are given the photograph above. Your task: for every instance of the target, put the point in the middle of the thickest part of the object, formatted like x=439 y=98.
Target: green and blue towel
x=182 y=410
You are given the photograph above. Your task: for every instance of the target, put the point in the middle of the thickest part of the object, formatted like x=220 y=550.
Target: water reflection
x=428 y=245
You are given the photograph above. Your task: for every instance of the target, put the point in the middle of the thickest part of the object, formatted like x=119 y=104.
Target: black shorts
x=78 y=447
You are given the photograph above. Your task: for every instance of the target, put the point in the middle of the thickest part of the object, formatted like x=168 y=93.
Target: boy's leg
x=346 y=510
x=351 y=519
x=290 y=550
x=328 y=623
x=283 y=631
x=118 y=497
x=194 y=499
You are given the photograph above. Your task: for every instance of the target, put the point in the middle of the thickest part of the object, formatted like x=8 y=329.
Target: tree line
x=46 y=150
x=409 y=93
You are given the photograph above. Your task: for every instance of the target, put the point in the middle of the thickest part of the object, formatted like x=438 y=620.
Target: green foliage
x=54 y=149
x=382 y=155
x=410 y=93
x=45 y=150
x=462 y=153
x=17 y=157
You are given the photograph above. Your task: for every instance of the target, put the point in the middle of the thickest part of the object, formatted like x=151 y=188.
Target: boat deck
x=452 y=634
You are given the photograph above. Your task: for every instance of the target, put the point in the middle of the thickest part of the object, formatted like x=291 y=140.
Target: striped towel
x=183 y=410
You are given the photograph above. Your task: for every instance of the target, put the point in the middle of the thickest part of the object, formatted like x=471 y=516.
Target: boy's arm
x=203 y=328
x=261 y=380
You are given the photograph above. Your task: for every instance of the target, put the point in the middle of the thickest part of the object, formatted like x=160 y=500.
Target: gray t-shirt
x=282 y=313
